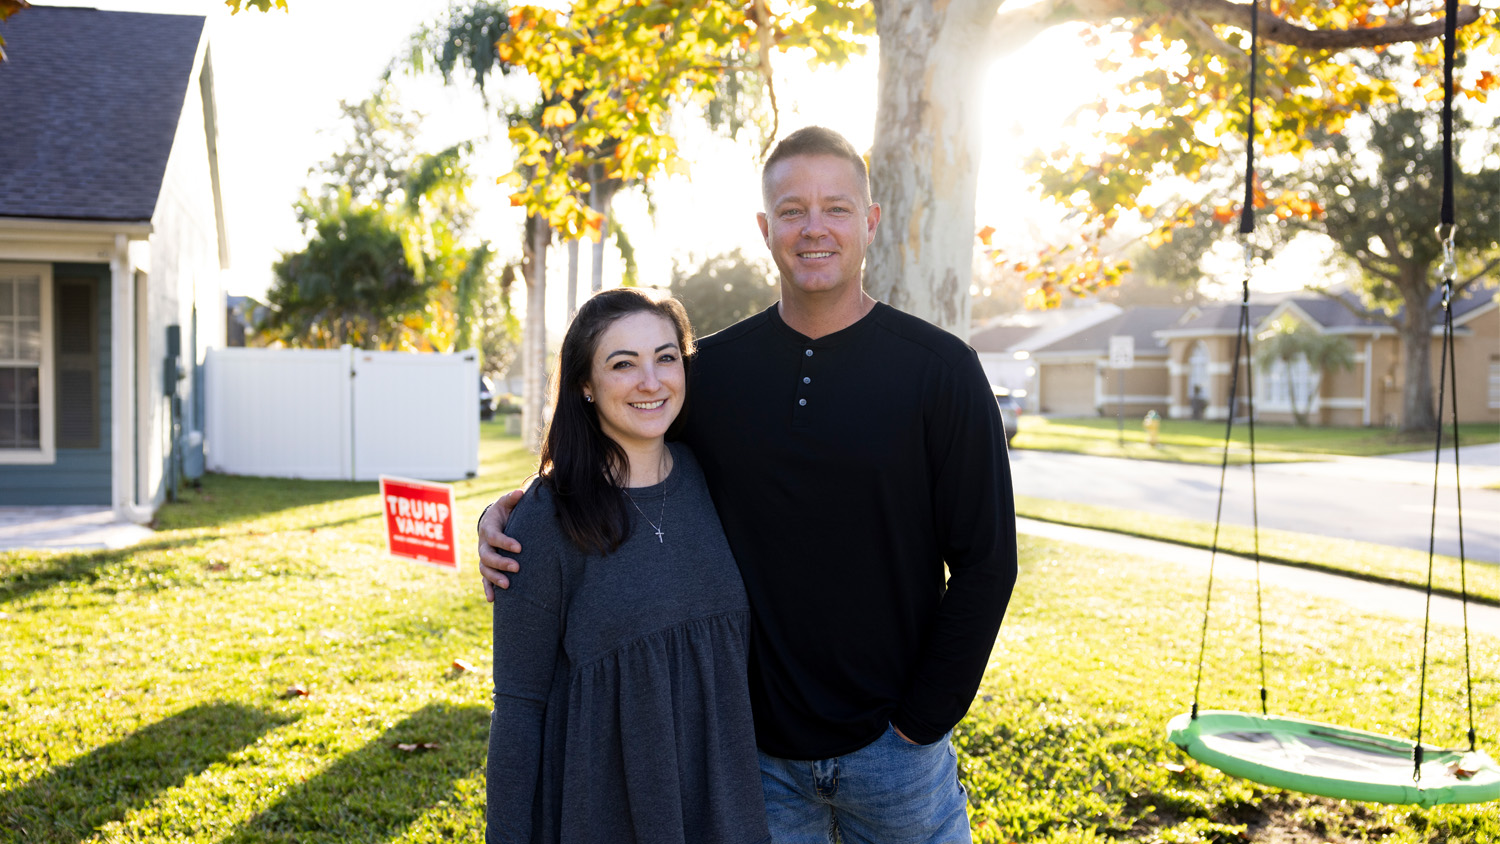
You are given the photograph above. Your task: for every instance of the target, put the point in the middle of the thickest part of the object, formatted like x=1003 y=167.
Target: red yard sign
x=419 y=521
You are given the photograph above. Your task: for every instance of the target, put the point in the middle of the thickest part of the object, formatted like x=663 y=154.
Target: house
x=1004 y=344
x=1182 y=363
x=112 y=244
x=1075 y=376
x=1201 y=347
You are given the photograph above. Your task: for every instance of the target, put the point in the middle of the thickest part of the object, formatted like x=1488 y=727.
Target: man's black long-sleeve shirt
x=847 y=471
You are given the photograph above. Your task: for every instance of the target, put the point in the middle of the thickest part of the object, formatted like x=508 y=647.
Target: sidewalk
x=67 y=529
x=1478 y=468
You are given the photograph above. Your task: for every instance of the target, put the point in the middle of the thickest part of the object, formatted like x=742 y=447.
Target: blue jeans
x=888 y=792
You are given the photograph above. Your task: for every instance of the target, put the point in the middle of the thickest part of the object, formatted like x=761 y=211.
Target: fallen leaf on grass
x=294 y=691
x=462 y=666
x=416 y=747
x=218 y=566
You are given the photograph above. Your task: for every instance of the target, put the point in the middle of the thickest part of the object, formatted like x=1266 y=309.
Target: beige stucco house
x=1183 y=354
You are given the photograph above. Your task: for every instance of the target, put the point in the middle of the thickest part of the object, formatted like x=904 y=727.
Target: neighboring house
x=1202 y=346
x=1074 y=376
x=1001 y=350
x=1004 y=345
x=241 y=314
x=111 y=249
x=1183 y=353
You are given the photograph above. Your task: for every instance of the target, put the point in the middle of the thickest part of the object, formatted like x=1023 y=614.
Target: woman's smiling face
x=638 y=382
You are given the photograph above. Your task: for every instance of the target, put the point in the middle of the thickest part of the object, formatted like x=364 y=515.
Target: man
x=852 y=452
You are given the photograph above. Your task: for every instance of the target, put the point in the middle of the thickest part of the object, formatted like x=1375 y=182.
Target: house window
x=1198 y=366
x=1289 y=386
x=26 y=434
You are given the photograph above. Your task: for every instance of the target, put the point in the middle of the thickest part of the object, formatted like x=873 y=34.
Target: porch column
x=122 y=382
x=1367 y=415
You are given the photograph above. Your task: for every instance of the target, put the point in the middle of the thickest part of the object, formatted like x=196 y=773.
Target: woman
x=621 y=707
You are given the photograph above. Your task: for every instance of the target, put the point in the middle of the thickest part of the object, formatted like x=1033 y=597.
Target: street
x=1380 y=500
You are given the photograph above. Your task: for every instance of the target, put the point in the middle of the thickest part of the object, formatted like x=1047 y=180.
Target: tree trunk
x=572 y=279
x=599 y=199
x=925 y=160
x=1417 y=408
x=534 y=333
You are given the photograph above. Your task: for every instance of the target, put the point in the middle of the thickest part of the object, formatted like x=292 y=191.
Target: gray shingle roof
x=1140 y=323
x=999 y=338
x=1332 y=315
x=1222 y=317
x=89 y=104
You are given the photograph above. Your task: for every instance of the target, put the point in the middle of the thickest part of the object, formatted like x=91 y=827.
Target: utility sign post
x=419 y=521
x=1121 y=358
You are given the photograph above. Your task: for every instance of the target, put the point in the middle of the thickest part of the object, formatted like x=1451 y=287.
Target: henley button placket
x=799 y=413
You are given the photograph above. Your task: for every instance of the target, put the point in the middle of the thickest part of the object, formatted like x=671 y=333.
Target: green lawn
x=1365 y=560
x=147 y=695
x=1186 y=441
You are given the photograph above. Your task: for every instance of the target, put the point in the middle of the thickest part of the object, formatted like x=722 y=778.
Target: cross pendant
x=658 y=536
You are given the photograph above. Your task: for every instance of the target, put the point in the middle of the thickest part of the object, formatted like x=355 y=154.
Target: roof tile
x=90 y=102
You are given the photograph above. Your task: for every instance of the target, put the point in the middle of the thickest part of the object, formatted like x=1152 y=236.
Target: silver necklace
x=654 y=526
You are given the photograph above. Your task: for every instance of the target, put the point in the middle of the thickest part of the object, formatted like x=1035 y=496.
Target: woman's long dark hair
x=583 y=467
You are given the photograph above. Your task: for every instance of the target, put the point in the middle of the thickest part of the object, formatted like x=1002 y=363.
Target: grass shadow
x=223 y=499
x=74 y=567
x=376 y=792
x=71 y=803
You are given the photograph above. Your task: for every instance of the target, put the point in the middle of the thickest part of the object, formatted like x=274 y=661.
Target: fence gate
x=342 y=414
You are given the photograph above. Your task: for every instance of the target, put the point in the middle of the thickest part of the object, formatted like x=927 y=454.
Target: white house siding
x=184 y=275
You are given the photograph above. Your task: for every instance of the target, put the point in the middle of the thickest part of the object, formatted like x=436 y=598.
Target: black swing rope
x=1242 y=336
x=1447 y=368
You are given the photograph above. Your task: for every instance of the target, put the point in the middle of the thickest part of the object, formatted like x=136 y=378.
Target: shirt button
x=802 y=402
x=806 y=379
x=809 y=352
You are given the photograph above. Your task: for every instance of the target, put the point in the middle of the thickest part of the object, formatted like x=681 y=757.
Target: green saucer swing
x=1331 y=761
x=1308 y=756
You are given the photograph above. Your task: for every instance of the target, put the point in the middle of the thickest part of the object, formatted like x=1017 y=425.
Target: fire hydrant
x=1152 y=424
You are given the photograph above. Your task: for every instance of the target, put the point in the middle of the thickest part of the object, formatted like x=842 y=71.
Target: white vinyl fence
x=342 y=414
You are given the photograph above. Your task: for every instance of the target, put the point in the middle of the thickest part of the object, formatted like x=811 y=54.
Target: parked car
x=1010 y=411
x=486 y=398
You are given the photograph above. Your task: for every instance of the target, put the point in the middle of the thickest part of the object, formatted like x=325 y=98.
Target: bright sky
x=279 y=78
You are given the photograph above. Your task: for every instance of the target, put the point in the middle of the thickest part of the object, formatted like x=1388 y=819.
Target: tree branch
x=1011 y=29
x=763 y=52
x=1477 y=276
x=1280 y=31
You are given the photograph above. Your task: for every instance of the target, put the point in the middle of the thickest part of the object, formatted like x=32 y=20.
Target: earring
x=588 y=398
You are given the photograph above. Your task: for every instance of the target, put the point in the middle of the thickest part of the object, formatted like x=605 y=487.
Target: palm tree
x=1290 y=342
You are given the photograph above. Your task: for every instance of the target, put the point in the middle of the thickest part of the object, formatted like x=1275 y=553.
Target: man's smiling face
x=817 y=224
